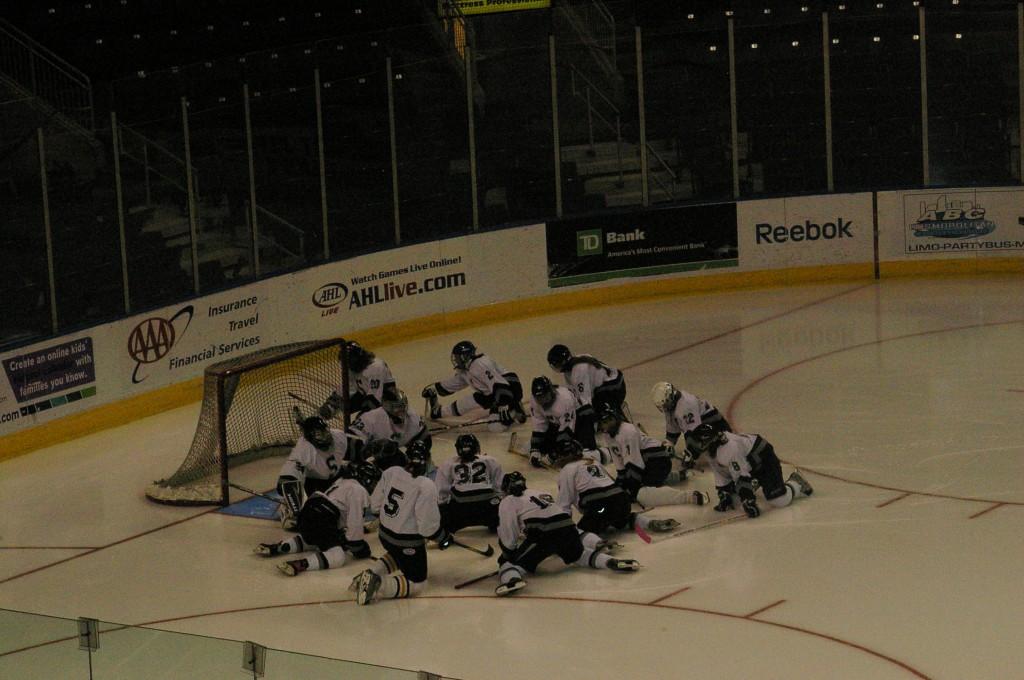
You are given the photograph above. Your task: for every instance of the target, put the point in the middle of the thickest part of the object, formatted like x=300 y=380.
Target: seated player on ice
x=368 y=378
x=683 y=412
x=534 y=527
x=391 y=421
x=594 y=384
x=553 y=414
x=495 y=390
x=604 y=505
x=737 y=460
x=311 y=466
x=468 y=487
x=643 y=464
x=330 y=523
x=406 y=502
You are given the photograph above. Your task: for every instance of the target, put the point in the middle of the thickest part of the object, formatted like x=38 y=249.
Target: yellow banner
x=490 y=6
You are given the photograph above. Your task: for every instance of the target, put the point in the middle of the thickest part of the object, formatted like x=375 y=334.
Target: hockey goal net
x=248 y=413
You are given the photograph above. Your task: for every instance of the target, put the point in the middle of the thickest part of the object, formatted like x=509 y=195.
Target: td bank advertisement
x=649 y=243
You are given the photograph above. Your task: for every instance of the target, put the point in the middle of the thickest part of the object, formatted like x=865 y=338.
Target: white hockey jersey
x=371 y=380
x=690 y=411
x=407 y=507
x=627 y=445
x=532 y=510
x=582 y=480
x=561 y=413
x=731 y=460
x=377 y=424
x=463 y=482
x=351 y=500
x=583 y=377
x=305 y=460
x=482 y=374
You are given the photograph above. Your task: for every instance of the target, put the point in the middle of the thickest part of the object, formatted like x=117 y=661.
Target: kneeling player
x=392 y=421
x=684 y=412
x=495 y=390
x=533 y=527
x=643 y=464
x=603 y=504
x=737 y=460
x=311 y=466
x=468 y=487
x=406 y=502
x=329 y=523
x=553 y=415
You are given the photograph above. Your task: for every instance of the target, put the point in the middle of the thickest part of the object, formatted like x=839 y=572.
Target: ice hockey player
x=330 y=523
x=533 y=527
x=392 y=421
x=737 y=460
x=368 y=378
x=683 y=412
x=468 y=487
x=593 y=383
x=495 y=390
x=603 y=504
x=406 y=503
x=311 y=466
x=643 y=464
x=553 y=414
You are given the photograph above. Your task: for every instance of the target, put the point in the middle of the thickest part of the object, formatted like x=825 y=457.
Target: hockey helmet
x=467 y=446
x=417 y=454
x=558 y=357
x=665 y=396
x=608 y=419
x=358 y=357
x=385 y=453
x=513 y=483
x=705 y=439
x=315 y=431
x=568 y=450
x=396 y=405
x=543 y=391
x=463 y=354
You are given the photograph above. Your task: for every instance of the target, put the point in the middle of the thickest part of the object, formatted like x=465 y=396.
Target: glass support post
x=925 y=177
x=394 y=151
x=826 y=56
x=733 y=113
x=119 y=197
x=552 y=64
x=645 y=192
x=321 y=161
x=191 y=197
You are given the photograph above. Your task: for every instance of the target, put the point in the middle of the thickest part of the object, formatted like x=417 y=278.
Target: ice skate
x=798 y=479
x=369 y=584
x=510 y=586
x=267 y=550
x=519 y=413
x=354 y=585
x=609 y=546
x=662 y=525
x=700 y=498
x=623 y=565
x=293 y=567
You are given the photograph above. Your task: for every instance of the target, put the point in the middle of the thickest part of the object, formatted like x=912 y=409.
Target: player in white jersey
x=368 y=379
x=330 y=524
x=533 y=527
x=604 y=505
x=468 y=487
x=684 y=411
x=553 y=414
x=406 y=502
x=643 y=464
x=311 y=465
x=593 y=383
x=495 y=390
x=392 y=421
x=739 y=459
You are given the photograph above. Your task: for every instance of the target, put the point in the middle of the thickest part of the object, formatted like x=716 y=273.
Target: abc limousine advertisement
x=649 y=243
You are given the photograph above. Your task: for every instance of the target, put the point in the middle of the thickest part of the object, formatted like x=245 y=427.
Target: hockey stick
x=478 y=551
x=647 y=538
x=255 y=493
x=513 y=448
x=476 y=580
x=456 y=426
x=305 y=401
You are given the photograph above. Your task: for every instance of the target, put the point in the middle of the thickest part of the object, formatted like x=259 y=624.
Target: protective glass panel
x=780 y=97
x=35 y=647
x=686 y=101
x=515 y=147
x=598 y=119
x=972 y=92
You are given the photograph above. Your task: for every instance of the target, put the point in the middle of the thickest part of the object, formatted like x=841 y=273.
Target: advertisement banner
x=48 y=377
x=970 y=221
x=805 y=231
x=601 y=247
x=469 y=7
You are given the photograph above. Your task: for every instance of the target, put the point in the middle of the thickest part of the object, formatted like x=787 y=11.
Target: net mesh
x=260 y=392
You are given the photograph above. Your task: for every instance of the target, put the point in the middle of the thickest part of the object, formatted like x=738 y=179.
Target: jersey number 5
x=391 y=507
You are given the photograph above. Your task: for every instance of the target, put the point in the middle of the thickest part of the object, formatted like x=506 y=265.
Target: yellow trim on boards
x=166 y=398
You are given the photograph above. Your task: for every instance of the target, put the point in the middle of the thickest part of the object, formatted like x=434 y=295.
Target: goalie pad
x=291 y=492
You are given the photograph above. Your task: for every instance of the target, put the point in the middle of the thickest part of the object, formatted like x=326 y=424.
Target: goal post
x=247 y=413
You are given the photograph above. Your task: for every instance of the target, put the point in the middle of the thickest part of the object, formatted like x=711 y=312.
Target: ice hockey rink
x=900 y=400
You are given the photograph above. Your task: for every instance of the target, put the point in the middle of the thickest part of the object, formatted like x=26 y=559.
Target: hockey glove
x=505 y=415
x=724 y=500
x=537 y=459
x=429 y=393
x=332 y=405
x=444 y=540
x=750 y=507
x=745 y=490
